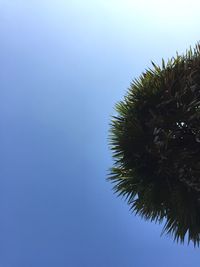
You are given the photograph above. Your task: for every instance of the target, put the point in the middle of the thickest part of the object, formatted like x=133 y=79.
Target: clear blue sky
x=64 y=64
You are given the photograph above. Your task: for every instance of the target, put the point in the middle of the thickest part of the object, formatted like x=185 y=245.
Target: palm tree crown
x=155 y=139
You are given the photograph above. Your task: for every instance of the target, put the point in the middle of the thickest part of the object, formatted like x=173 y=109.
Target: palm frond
x=155 y=140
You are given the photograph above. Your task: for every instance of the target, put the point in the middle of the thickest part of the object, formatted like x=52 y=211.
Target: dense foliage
x=155 y=138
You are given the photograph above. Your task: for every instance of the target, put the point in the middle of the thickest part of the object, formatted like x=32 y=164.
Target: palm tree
x=155 y=139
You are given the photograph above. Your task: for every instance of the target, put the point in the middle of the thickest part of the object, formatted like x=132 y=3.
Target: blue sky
x=64 y=64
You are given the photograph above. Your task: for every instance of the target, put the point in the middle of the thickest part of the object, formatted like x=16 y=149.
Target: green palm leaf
x=155 y=139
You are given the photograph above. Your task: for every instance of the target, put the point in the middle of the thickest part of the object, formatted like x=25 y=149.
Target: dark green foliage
x=155 y=138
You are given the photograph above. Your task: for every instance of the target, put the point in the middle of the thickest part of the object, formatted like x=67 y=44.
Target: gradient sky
x=64 y=64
